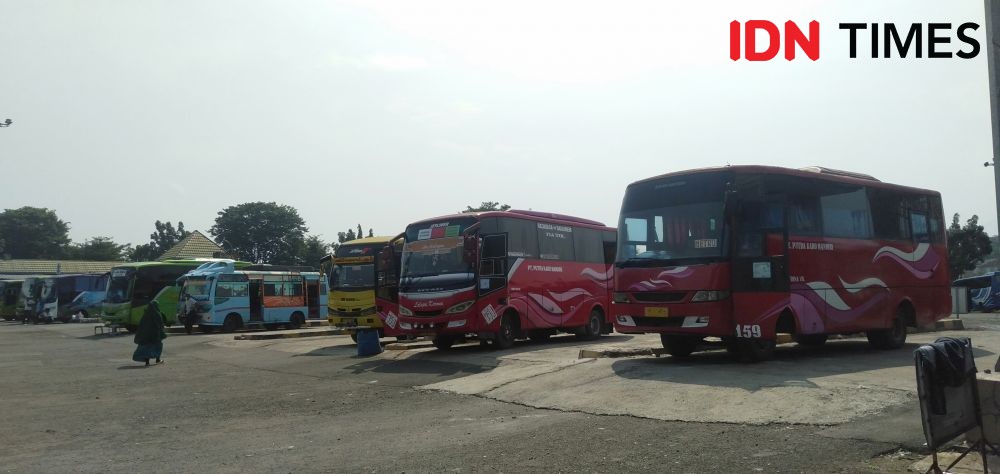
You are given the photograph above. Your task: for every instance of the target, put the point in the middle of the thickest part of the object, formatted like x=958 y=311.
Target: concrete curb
x=289 y=335
x=403 y=346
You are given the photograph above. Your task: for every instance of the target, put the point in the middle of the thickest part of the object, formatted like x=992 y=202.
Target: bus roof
x=167 y=263
x=548 y=217
x=378 y=239
x=815 y=172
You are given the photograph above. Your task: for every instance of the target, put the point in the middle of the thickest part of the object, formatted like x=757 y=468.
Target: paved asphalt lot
x=75 y=402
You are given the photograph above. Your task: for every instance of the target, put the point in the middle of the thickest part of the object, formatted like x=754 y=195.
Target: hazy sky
x=383 y=113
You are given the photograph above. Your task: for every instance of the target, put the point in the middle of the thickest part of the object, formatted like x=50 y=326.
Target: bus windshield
x=119 y=286
x=432 y=258
x=676 y=218
x=197 y=287
x=354 y=277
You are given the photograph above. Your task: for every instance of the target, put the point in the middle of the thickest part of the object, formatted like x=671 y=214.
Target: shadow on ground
x=468 y=358
x=792 y=366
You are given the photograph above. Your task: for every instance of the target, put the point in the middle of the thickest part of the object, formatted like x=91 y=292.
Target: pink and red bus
x=746 y=252
x=499 y=276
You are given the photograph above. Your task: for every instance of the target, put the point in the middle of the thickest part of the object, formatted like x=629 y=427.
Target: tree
x=33 y=232
x=100 y=248
x=313 y=250
x=967 y=246
x=370 y=234
x=487 y=206
x=261 y=232
x=351 y=235
x=163 y=239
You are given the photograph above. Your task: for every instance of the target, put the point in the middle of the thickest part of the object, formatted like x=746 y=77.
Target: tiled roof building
x=53 y=267
x=195 y=245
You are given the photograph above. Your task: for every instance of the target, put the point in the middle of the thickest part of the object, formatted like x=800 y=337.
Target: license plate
x=657 y=312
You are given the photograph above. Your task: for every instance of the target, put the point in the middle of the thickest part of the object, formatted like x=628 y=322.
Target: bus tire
x=756 y=350
x=507 y=333
x=810 y=340
x=443 y=342
x=892 y=338
x=679 y=345
x=296 y=321
x=595 y=322
x=232 y=322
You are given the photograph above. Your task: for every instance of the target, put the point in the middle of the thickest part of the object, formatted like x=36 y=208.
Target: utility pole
x=993 y=59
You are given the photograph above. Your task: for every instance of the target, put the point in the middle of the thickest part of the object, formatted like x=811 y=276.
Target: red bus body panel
x=546 y=294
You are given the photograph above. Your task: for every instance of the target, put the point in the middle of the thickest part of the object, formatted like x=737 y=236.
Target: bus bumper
x=705 y=319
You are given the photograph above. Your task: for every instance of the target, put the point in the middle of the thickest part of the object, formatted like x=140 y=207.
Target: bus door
x=492 y=263
x=256 y=300
x=759 y=244
x=312 y=297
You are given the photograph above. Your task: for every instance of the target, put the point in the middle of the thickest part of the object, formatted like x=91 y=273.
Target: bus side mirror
x=470 y=247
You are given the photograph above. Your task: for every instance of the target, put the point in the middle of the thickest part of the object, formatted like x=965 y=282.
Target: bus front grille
x=649 y=297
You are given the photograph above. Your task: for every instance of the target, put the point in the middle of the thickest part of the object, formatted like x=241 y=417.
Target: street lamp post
x=993 y=59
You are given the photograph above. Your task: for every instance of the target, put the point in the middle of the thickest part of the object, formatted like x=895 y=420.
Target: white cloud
x=397 y=63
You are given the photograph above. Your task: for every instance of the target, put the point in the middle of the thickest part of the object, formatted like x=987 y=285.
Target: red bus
x=499 y=276
x=746 y=252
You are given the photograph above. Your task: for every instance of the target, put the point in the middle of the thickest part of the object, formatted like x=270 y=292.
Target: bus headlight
x=404 y=311
x=620 y=297
x=459 y=307
x=712 y=295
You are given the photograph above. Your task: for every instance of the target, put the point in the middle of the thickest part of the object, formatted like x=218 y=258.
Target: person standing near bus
x=189 y=312
x=150 y=335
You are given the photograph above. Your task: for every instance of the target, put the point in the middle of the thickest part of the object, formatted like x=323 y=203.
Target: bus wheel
x=444 y=342
x=756 y=350
x=811 y=340
x=678 y=345
x=505 y=337
x=892 y=338
x=594 y=325
x=296 y=321
x=232 y=323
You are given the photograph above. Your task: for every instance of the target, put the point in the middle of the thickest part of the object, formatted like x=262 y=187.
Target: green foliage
x=33 y=232
x=99 y=248
x=313 y=249
x=487 y=206
x=162 y=239
x=261 y=232
x=967 y=245
x=352 y=235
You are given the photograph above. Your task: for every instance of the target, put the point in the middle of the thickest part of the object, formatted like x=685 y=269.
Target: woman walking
x=150 y=335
